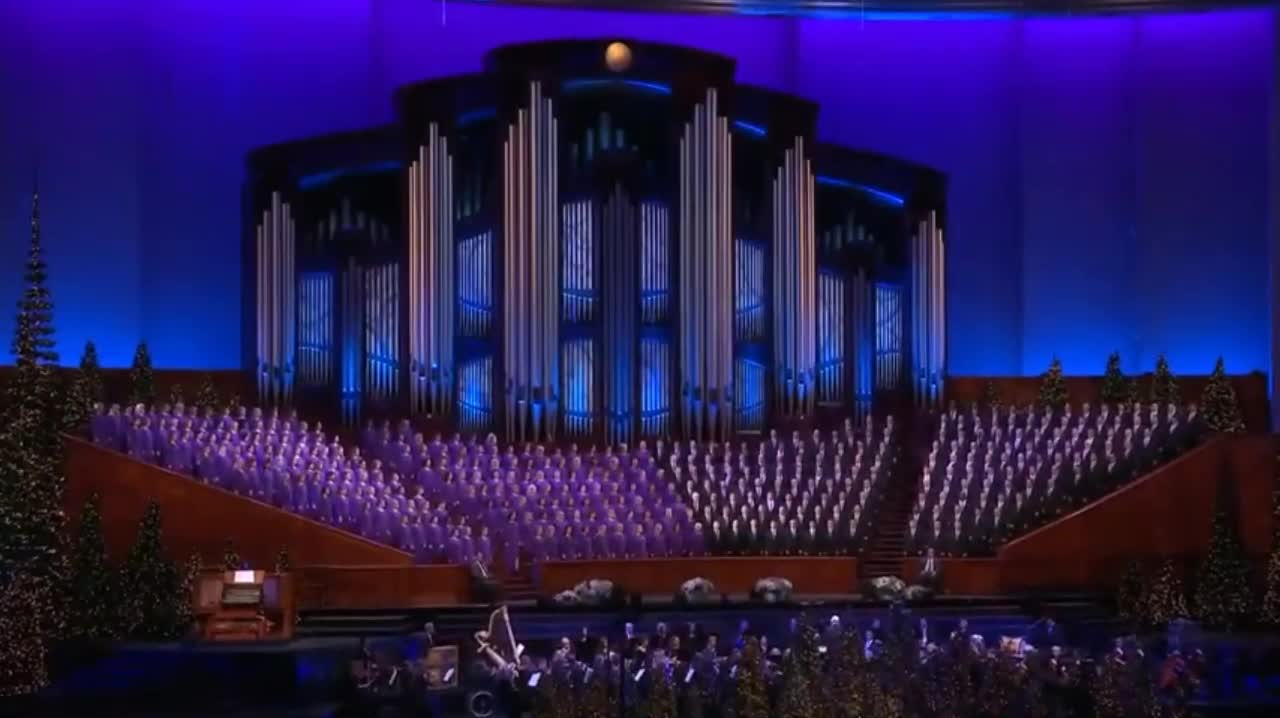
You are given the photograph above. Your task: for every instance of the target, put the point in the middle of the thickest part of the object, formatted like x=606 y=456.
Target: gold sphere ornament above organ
x=617 y=56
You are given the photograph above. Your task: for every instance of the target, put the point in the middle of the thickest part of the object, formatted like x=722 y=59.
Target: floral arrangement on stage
x=773 y=589
x=698 y=591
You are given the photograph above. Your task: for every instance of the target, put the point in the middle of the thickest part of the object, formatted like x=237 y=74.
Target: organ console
x=245 y=606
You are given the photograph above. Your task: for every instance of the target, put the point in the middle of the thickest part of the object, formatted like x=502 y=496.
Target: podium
x=245 y=606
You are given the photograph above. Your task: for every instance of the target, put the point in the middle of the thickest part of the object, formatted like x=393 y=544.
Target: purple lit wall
x=1108 y=177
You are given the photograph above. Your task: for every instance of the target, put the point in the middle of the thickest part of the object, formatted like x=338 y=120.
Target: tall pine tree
x=142 y=381
x=1218 y=403
x=150 y=606
x=1115 y=388
x=991 y=394
x=207 y=395
x=1166 y=597
x=32 y=523
x=1223 y=591
x=1269 y=611
x=1129 y=594
x=751 y=699
x=1164 y=387
x=23 y=652
x=92 y=610
x=1053 y=388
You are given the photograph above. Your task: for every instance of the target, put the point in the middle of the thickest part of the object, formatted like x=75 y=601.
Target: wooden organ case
x=245 y=606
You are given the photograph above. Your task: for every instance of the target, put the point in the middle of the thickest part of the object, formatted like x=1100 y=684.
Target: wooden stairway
x=888 y=545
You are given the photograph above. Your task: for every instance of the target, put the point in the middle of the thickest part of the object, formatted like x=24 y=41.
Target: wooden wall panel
x=383 y=587
x=730 y=574
x=198 y=518
x=1251 y=392
x=1168 y=513
x=116 y=384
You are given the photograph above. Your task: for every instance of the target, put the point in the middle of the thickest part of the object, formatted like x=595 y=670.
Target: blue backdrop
x=1108 y=177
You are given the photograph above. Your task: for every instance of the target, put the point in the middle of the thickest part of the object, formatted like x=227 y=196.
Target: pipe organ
x=831 y=339
x=275 y=312
x=558 y=249
x=928 y=310
x=315 y=329
x=706 y=260
x=431 y=277
x=794 y=278
x=531 y=271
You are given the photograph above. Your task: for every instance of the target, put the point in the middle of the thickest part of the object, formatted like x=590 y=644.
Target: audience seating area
x=995 y=473
x=457 y=501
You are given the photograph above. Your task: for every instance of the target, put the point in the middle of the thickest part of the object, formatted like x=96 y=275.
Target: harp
x=498 y=643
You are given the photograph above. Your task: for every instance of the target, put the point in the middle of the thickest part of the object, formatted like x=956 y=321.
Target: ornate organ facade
x=558 y=249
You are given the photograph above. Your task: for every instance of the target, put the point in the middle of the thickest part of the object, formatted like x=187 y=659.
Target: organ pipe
x=381 y=316
x=431 y=277
x=620 y=328
x=928 y=311
x=655 y=264
x=353 y=335
x=862 y=307
x=706 y=273
x=276 y=302
x=794 y=279
x=655 y=388
x=831 y=339
x=531 y=271
x=315 y=329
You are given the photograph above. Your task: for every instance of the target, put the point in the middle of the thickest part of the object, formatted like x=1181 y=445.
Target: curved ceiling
x=891 y=9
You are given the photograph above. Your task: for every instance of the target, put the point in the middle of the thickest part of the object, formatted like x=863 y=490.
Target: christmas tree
x=92 y=611
x=991 y=394
x=283 y=564
x=176 y=396
x=32 y=524
x=1165 y=599
x=1218 y=403
x=230 y=557
x=1115 y=388
x=751 y=700
x=23 y=654
x=142 y=381
x=185 y=604
x=1129 y=594
x=1134 y=393
x=599 y=697
x=1222 y=598
x=207 y=396
x=84 y=390
x=1270 y=609
x=797 y=689
x=150 y=610
x=1053 y=388
x=661 y=700
x=1164 y=388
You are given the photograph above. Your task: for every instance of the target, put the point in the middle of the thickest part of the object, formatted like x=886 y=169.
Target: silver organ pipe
x=655 y=387
x=706 y=274
x=531 y=272
x=475 y=290
x=862 y=329
x=578 y=364
x=580 y=290
x=381 y=312
x=353 y=335
x=315 y=329
x=276 y=302
x=928 y=311
x=749 y=306
x=794 y=278
x=655 y=266
x=889 y=329
x=620 y=328
x=831 y=339
x=475 y=394
x=432 y=295
x=749 y=380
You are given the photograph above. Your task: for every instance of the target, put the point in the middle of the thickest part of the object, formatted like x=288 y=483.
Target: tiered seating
x=995 y=473
x=815 y=496
x=461 y=500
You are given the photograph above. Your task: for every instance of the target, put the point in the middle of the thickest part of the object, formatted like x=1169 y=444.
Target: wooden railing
x=733 y=575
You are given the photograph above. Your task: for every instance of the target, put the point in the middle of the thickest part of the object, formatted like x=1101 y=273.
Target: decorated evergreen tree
x=207 y=396
x=1223 y=593
x=92 y=612
x=1218 y=403
x=176 y=395
x=1165 y=599
x=23 y=652
x=802 y=689
x=1115 y=388
x=33 y=568
x=1135 y=391
x=230 y=557
x=1053 y=388
x=751 y=700
x=1164 y=387
x=142 y=381
x=283 y=564
x=150 y=606
x=599 y=697
x=184 y=608
x=661 y=699
x=1129 y=593
x=991 y=394
x=1270 y=609
x=91 y=374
